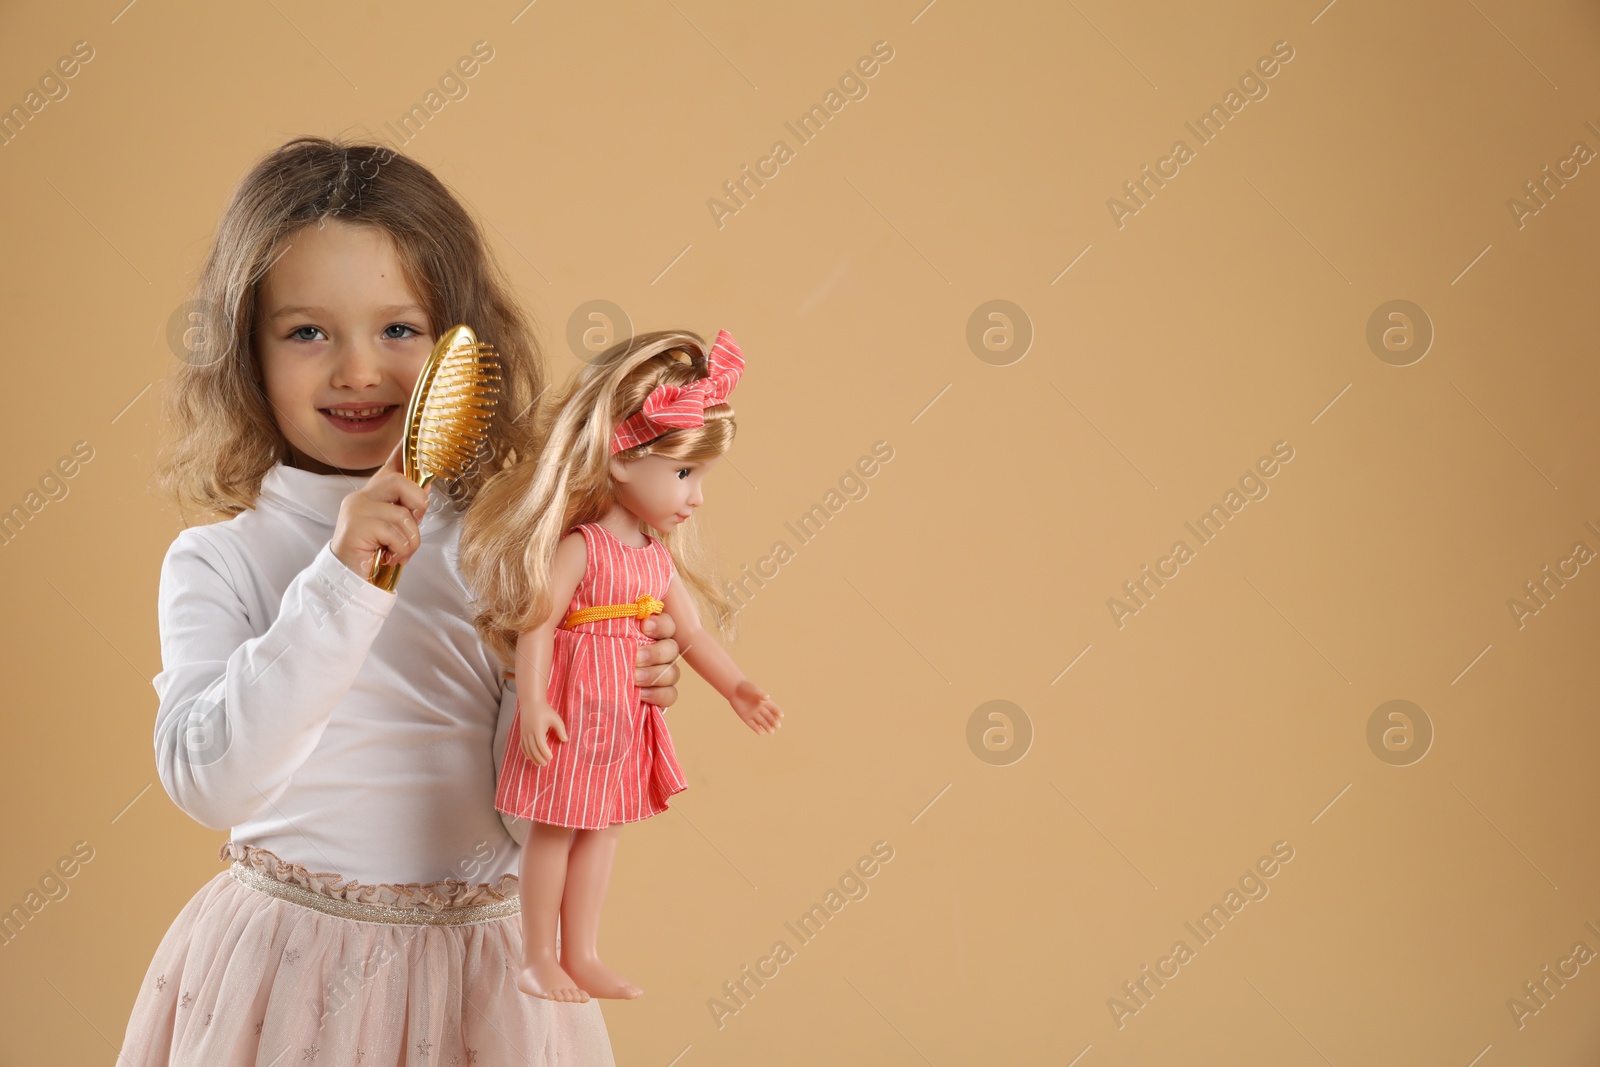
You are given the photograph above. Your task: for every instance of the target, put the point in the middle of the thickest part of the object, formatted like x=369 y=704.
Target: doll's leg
x=588 y=874
x=543 y=882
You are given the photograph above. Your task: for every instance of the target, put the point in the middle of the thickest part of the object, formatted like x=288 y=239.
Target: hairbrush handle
x=384 y=575
x=385 y=572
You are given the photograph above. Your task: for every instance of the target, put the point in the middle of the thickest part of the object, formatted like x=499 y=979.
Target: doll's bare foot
x=598 y=980
x=545 y=978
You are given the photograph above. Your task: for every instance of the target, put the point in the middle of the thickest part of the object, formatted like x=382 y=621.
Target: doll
x=568 y=554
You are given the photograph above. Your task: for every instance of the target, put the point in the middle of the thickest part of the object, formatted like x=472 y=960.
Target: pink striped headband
x=676 y=407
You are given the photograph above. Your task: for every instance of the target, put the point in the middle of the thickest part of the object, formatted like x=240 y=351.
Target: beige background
x=1229 y=314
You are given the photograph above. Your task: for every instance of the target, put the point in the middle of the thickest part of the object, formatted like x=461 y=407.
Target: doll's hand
x=756 y=708
x=535 y=729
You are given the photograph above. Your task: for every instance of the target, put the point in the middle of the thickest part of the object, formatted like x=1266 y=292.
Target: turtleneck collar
x=318 y=496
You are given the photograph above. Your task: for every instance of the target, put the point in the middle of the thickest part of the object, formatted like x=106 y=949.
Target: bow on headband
x=675 y=407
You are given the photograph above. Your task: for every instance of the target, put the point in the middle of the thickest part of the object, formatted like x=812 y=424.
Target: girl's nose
x=356 y=366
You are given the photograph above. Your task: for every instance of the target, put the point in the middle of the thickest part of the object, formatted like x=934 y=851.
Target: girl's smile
x=360 y=419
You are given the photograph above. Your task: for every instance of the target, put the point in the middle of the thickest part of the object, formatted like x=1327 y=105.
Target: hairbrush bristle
x=447 y=423
x=452 y=425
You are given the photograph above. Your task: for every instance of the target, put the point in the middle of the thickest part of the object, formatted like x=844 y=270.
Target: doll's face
x=663 y=492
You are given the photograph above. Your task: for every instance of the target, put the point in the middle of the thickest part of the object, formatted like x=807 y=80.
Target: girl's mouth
x=359 y=418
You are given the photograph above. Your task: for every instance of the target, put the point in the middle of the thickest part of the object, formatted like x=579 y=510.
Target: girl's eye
x=410 y=331
x=307 y=333
x=683 y=472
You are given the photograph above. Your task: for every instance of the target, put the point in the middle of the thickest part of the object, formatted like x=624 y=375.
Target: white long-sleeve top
x=335 y=724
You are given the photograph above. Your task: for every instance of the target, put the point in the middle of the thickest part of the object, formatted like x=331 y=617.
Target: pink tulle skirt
x=272 y=964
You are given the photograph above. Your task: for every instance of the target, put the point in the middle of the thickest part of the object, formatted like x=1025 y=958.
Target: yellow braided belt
x=642 y=608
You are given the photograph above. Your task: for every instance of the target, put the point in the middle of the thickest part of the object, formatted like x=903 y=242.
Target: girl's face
x=340 y=340
x=663 y=492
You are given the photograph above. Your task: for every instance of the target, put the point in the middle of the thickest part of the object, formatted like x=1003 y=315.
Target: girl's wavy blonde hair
x=509 y=535
x=226 y=436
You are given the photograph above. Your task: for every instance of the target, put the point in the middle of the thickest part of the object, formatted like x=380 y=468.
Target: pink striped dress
x=617 y=764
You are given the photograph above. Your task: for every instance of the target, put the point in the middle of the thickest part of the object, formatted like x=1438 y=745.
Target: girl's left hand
x=656 y=670
x=756 y=708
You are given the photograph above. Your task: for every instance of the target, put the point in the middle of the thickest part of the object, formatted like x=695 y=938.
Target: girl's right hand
x=383 y=514
x=535 y=729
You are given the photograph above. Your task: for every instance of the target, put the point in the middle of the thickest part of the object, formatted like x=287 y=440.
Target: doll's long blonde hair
x=509 y=535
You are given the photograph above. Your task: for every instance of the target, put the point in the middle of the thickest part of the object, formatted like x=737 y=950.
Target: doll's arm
x=712 y=662
x=536 y=647
x=517 y=828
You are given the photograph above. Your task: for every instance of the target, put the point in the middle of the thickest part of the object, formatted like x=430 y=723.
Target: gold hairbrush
x=448 y=420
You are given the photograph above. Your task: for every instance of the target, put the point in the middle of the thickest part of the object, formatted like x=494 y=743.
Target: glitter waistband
x=372 y=913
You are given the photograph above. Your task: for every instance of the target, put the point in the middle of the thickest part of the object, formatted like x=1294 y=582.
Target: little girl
x=558 y=552
x=345 y=734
